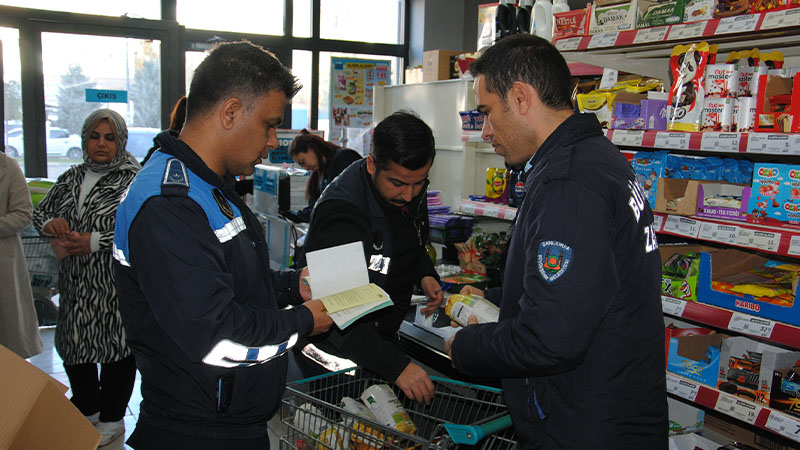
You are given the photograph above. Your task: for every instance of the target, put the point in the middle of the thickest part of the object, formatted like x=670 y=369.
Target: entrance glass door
x=83 y=73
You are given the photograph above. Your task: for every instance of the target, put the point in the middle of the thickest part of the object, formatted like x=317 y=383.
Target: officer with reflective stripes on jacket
x=206 y=319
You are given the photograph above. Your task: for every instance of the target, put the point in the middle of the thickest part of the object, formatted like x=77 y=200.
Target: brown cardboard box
x=35 y=414
x=721 y=429
x=671 y=189
x=438 y=65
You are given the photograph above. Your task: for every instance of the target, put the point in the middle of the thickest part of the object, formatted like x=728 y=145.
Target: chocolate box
x=776 y=96
x=727 y=208
x=696 y=357
x=654 y=13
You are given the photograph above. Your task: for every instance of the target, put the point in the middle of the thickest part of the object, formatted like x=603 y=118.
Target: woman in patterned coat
x=79 y=212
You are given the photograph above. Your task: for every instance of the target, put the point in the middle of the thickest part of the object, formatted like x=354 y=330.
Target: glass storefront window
x=356 y=20
x=301 y=18
x=140 y=9
x=301 y=103
x=241 y=16
x=12 y=91
x=127 y=74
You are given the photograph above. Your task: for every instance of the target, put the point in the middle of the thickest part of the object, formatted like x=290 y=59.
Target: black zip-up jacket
x=199 y=306
x=580 y=340
x=349 y=210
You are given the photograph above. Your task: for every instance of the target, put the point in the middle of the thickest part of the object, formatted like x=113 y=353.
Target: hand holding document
x=340 y=280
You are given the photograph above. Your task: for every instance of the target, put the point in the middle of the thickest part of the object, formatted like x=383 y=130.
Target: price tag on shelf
x=720 y=142
x=760 y=240
x=756 y=326
x=780 y=19
x=632 y=138
x=781 y=144
x=738 y=24
x=656 y=34
x=740 y=409
x=682 y=226
x=672 y=306
x=718 y=232
x=682 y=388
x=467 y=207
x=603 y=40
x=658 y=221
x=794 y=246
x=491 y=211
x=569 y=44
x=666 y=139
x=784 y=425
x=687 y=30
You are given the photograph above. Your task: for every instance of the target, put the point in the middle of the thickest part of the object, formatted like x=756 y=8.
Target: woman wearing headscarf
x=324 y=159
x=79 y=211
x=19 y=329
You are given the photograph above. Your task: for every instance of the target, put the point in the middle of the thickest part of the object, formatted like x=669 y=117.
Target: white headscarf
x=120 y=131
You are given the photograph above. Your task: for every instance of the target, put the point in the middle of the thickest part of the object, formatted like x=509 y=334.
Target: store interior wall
x=442 y=24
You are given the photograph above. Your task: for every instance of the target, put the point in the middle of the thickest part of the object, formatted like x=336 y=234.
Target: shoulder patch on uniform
x=175 y=173
x=553 y=258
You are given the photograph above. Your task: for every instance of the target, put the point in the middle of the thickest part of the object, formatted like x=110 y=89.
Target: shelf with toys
x=735 y=406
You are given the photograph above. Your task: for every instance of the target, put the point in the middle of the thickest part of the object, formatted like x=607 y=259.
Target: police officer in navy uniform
x=203 y=313
x=580 y=339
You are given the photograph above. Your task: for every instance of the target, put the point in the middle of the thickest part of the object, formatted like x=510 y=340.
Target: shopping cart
x=43 y=272
x=461 y=415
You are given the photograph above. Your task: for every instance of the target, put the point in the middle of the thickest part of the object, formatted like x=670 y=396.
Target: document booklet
x=341 y=282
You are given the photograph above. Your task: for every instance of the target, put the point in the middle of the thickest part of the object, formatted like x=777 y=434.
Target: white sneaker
x=110 y=431
x=93 y=418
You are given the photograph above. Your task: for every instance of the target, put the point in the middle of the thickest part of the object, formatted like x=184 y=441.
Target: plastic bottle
x=524 y=16
x=543 y=19
x=505 y=20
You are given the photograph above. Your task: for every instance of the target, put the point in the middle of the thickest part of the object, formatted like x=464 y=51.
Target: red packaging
x=571 y=23
x=688 y=67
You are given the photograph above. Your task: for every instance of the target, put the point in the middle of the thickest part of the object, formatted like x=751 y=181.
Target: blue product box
x=727 y=262
x=696 y=357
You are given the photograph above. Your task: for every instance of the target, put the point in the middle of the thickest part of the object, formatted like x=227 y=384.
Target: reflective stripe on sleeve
x=230 y=354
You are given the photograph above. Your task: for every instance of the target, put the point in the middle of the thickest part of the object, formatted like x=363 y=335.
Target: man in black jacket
x=381 y=201
x=580 y=339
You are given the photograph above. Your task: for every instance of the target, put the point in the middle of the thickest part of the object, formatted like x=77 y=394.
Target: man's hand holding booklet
x=338 y=277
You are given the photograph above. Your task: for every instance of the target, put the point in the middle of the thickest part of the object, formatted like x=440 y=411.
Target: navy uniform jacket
x=199 y=303
x=580 y=340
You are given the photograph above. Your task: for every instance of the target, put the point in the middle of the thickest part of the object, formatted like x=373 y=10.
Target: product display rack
x=642 y=51
x=734 y=321
x=755 y=414
x=724 y=142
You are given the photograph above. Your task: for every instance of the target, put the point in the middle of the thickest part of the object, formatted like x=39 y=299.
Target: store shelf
x=754 y=143
x=780 y=241
x=753 y=413
x=488 y=209
x=643 y=51
x=765 y=329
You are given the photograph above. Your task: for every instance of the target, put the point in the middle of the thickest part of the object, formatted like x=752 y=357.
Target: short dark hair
x=404 y=139
x=237 y=69
x=529 y=59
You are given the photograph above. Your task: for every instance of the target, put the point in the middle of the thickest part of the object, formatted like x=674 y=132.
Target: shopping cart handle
x=471 y=434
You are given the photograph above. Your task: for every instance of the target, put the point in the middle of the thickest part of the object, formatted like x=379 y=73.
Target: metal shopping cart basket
x=461 y=415
x=43 y=272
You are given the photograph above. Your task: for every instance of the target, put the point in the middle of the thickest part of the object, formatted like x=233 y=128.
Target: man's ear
x=370 y=165
x=230 y=111
x=520 y=97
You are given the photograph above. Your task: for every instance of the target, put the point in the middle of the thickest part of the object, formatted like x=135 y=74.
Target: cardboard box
x=671 y=331
x=571 y=23
x=721 y=264
x=785 y=393
x=774 y=112
x=675 y=261
x=696 y=357
x=649 y=167
x=606 y=19
x=691 y=442
x=775 y=195
x=655 y=13
x=438 y=65
x=696 y=10
x=670 y=192
x=35 y=414
x=740 y=366
x=723 y=429
x=707 y=190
